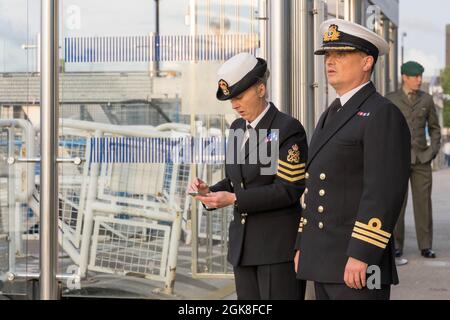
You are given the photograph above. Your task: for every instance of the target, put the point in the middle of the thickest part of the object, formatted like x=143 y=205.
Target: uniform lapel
x=235 y=171
x=265 y=123
x=319 y=128
x=418 y=99
x=339 y=120
x=404 y=97
x=320 y=125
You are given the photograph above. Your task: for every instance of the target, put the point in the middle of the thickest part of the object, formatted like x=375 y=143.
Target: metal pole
x=352 y=11
x=209 y=217
x=263 y=29
x=49 y=140
x=402 y=53
x=38 y=53
x=237 y=16
x=194 y=168
x=207 y=16
x=387 y=67
x=320 y=14
x=195 y=208
x=279 y=56
x=11 y=204
x=193 y=27
x=221 y=35
x=395 y=58
x=403 y=47
x=158 y=42
x=152 y=61
x=302 y=75
x=337 y=10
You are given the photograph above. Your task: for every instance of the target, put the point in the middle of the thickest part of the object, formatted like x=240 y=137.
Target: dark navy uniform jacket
x=357 y=175
x=267 y=212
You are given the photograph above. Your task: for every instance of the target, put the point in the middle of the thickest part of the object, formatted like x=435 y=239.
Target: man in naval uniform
x=266 y=204
x=420 y=112
x=356 y=175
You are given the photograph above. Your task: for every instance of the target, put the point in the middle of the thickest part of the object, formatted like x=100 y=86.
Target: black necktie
x=334 y=108
x=247 y=135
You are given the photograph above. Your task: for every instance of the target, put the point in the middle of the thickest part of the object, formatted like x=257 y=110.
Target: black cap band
x=347 y=41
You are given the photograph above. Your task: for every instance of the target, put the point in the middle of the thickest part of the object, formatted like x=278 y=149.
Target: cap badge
x=223 y=85
x=332 y=34
x=293 y=154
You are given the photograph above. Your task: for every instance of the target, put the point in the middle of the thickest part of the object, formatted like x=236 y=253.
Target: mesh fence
x=125 y=247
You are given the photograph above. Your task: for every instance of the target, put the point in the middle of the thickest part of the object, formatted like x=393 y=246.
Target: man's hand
x=217 y=200
x=297 y=256
x=355 y=273
x=198 y=186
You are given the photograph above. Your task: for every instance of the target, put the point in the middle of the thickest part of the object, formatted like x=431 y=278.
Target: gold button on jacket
x=359 y=165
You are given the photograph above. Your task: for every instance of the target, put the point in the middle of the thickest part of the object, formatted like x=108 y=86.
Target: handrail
x=29 y=137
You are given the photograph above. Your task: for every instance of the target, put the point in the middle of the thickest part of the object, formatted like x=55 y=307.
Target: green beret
x=412 y=69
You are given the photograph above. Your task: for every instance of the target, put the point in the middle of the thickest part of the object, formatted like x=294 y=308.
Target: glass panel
x=134 y=85
x=19 y=116
x=336 y=9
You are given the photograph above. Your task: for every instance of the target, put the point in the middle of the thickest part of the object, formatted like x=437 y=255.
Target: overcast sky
x=423 y=21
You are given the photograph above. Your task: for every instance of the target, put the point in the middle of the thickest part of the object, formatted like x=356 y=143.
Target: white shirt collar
x=347 y=96
x=255 y=122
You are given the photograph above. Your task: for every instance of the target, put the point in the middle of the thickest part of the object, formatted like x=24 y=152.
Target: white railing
x=107 y=191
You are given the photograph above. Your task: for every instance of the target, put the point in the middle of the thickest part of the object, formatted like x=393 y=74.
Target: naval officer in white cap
x=357 y=175
x=266 y=206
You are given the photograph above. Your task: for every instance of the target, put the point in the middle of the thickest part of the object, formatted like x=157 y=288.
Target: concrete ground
x=428 y=278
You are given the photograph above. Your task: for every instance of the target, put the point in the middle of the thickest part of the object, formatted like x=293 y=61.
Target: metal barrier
x=121 y=207
x=117 y=215
x=210 y=236
x=101 y=205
